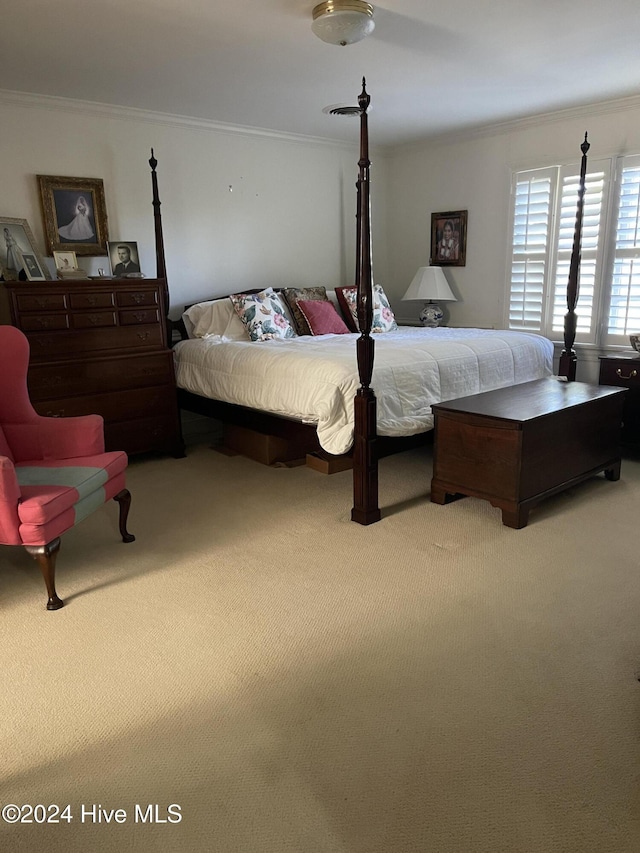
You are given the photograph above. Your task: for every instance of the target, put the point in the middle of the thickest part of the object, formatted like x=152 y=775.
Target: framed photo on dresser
x=125 y=260
x=65 y=261
x=18 y=252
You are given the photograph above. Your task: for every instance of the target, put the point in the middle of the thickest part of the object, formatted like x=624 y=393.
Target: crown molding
x=512 y=125
x=109 y=111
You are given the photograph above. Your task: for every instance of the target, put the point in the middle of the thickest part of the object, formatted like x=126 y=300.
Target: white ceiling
x=431 y=68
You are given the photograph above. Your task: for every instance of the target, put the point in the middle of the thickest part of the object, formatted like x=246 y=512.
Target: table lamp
x=430 y=286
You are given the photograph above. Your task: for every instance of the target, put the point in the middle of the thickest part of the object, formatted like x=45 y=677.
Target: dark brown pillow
x=293 y=295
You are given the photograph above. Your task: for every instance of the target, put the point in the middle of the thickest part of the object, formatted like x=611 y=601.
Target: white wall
x=473 y=173
x=288 y=219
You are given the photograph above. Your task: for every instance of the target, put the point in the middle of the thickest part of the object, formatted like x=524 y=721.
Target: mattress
x=314 y=379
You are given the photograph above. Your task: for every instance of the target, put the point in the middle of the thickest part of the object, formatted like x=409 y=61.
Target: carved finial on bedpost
x=365 y=460
x=568 y=358
x=161 y=270
x=363 y=98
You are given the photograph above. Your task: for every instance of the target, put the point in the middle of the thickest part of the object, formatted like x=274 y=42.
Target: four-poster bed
x=514 y=358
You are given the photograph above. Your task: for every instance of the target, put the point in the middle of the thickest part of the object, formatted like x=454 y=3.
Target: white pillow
x=333 y=297
x=216 y=317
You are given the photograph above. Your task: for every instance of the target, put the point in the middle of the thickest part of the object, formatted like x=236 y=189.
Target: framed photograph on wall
x=18 y=253
x=124 y=258
x=75 y=214
x=449 y=239
x=65 y=261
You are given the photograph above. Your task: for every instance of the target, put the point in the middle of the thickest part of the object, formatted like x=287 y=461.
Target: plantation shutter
x=533 y=194
x=624 y=303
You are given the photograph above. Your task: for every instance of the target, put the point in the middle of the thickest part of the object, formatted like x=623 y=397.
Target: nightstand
x=624 y=371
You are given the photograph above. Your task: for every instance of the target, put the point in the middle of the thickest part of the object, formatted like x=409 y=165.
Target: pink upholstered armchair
x=53 y=471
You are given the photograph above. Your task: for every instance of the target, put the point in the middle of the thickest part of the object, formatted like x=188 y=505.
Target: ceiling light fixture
x=343 y=21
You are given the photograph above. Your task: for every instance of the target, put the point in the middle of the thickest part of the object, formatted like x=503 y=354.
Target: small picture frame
x=124 y=259
x=65 y=261
x=75 y=214
x=19 y=257
x=449 y=239
x=32 y=268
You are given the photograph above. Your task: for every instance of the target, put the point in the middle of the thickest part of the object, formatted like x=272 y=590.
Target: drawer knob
x=632 y=375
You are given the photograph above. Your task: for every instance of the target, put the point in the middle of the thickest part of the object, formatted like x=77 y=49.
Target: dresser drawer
x=144 y=315
x=46 y=347
x=135 y=298
x=94 y=319
x=138 y=436
x=624 y=372
x=116 y=406
x=78 y=301
x=44 y=322
x=98 y=376
x=41 y=301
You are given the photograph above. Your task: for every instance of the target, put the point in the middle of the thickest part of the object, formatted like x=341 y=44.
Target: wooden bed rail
x=568 y=358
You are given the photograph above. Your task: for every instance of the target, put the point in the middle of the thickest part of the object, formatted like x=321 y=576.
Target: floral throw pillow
x=263 y=314
x=383 y=317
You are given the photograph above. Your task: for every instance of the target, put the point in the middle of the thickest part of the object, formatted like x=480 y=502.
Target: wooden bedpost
x=161 y=269
x=365 y=460
x=568 y=358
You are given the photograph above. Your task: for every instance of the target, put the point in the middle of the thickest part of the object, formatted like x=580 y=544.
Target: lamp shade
x=343 y=21
x=429 y=283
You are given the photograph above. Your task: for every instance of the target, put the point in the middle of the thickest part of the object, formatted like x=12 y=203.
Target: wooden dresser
x=101 y=347
x=623 y=370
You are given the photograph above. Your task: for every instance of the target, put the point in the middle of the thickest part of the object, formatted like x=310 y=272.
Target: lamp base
x=431 y=315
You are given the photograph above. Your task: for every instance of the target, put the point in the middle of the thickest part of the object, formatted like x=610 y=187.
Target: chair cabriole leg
x=45 y=556
x=124 y=501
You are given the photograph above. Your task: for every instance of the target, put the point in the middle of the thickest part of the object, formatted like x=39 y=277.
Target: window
x=544 y=214
x=624 y=305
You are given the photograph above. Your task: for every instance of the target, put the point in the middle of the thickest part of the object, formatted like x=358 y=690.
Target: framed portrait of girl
x=449 y=238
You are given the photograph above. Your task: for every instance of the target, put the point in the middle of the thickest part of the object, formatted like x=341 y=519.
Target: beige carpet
x=297 y=683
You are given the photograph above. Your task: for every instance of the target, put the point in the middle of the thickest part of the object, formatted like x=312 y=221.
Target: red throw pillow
x=322 y=317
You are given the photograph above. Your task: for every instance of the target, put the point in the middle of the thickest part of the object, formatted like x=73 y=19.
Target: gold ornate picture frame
x=75 y=214
x=18 y=252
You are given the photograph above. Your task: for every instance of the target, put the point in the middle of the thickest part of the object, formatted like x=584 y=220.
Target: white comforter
x=314 y=379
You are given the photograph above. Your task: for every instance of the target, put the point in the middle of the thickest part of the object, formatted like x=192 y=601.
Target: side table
x=623 y=370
